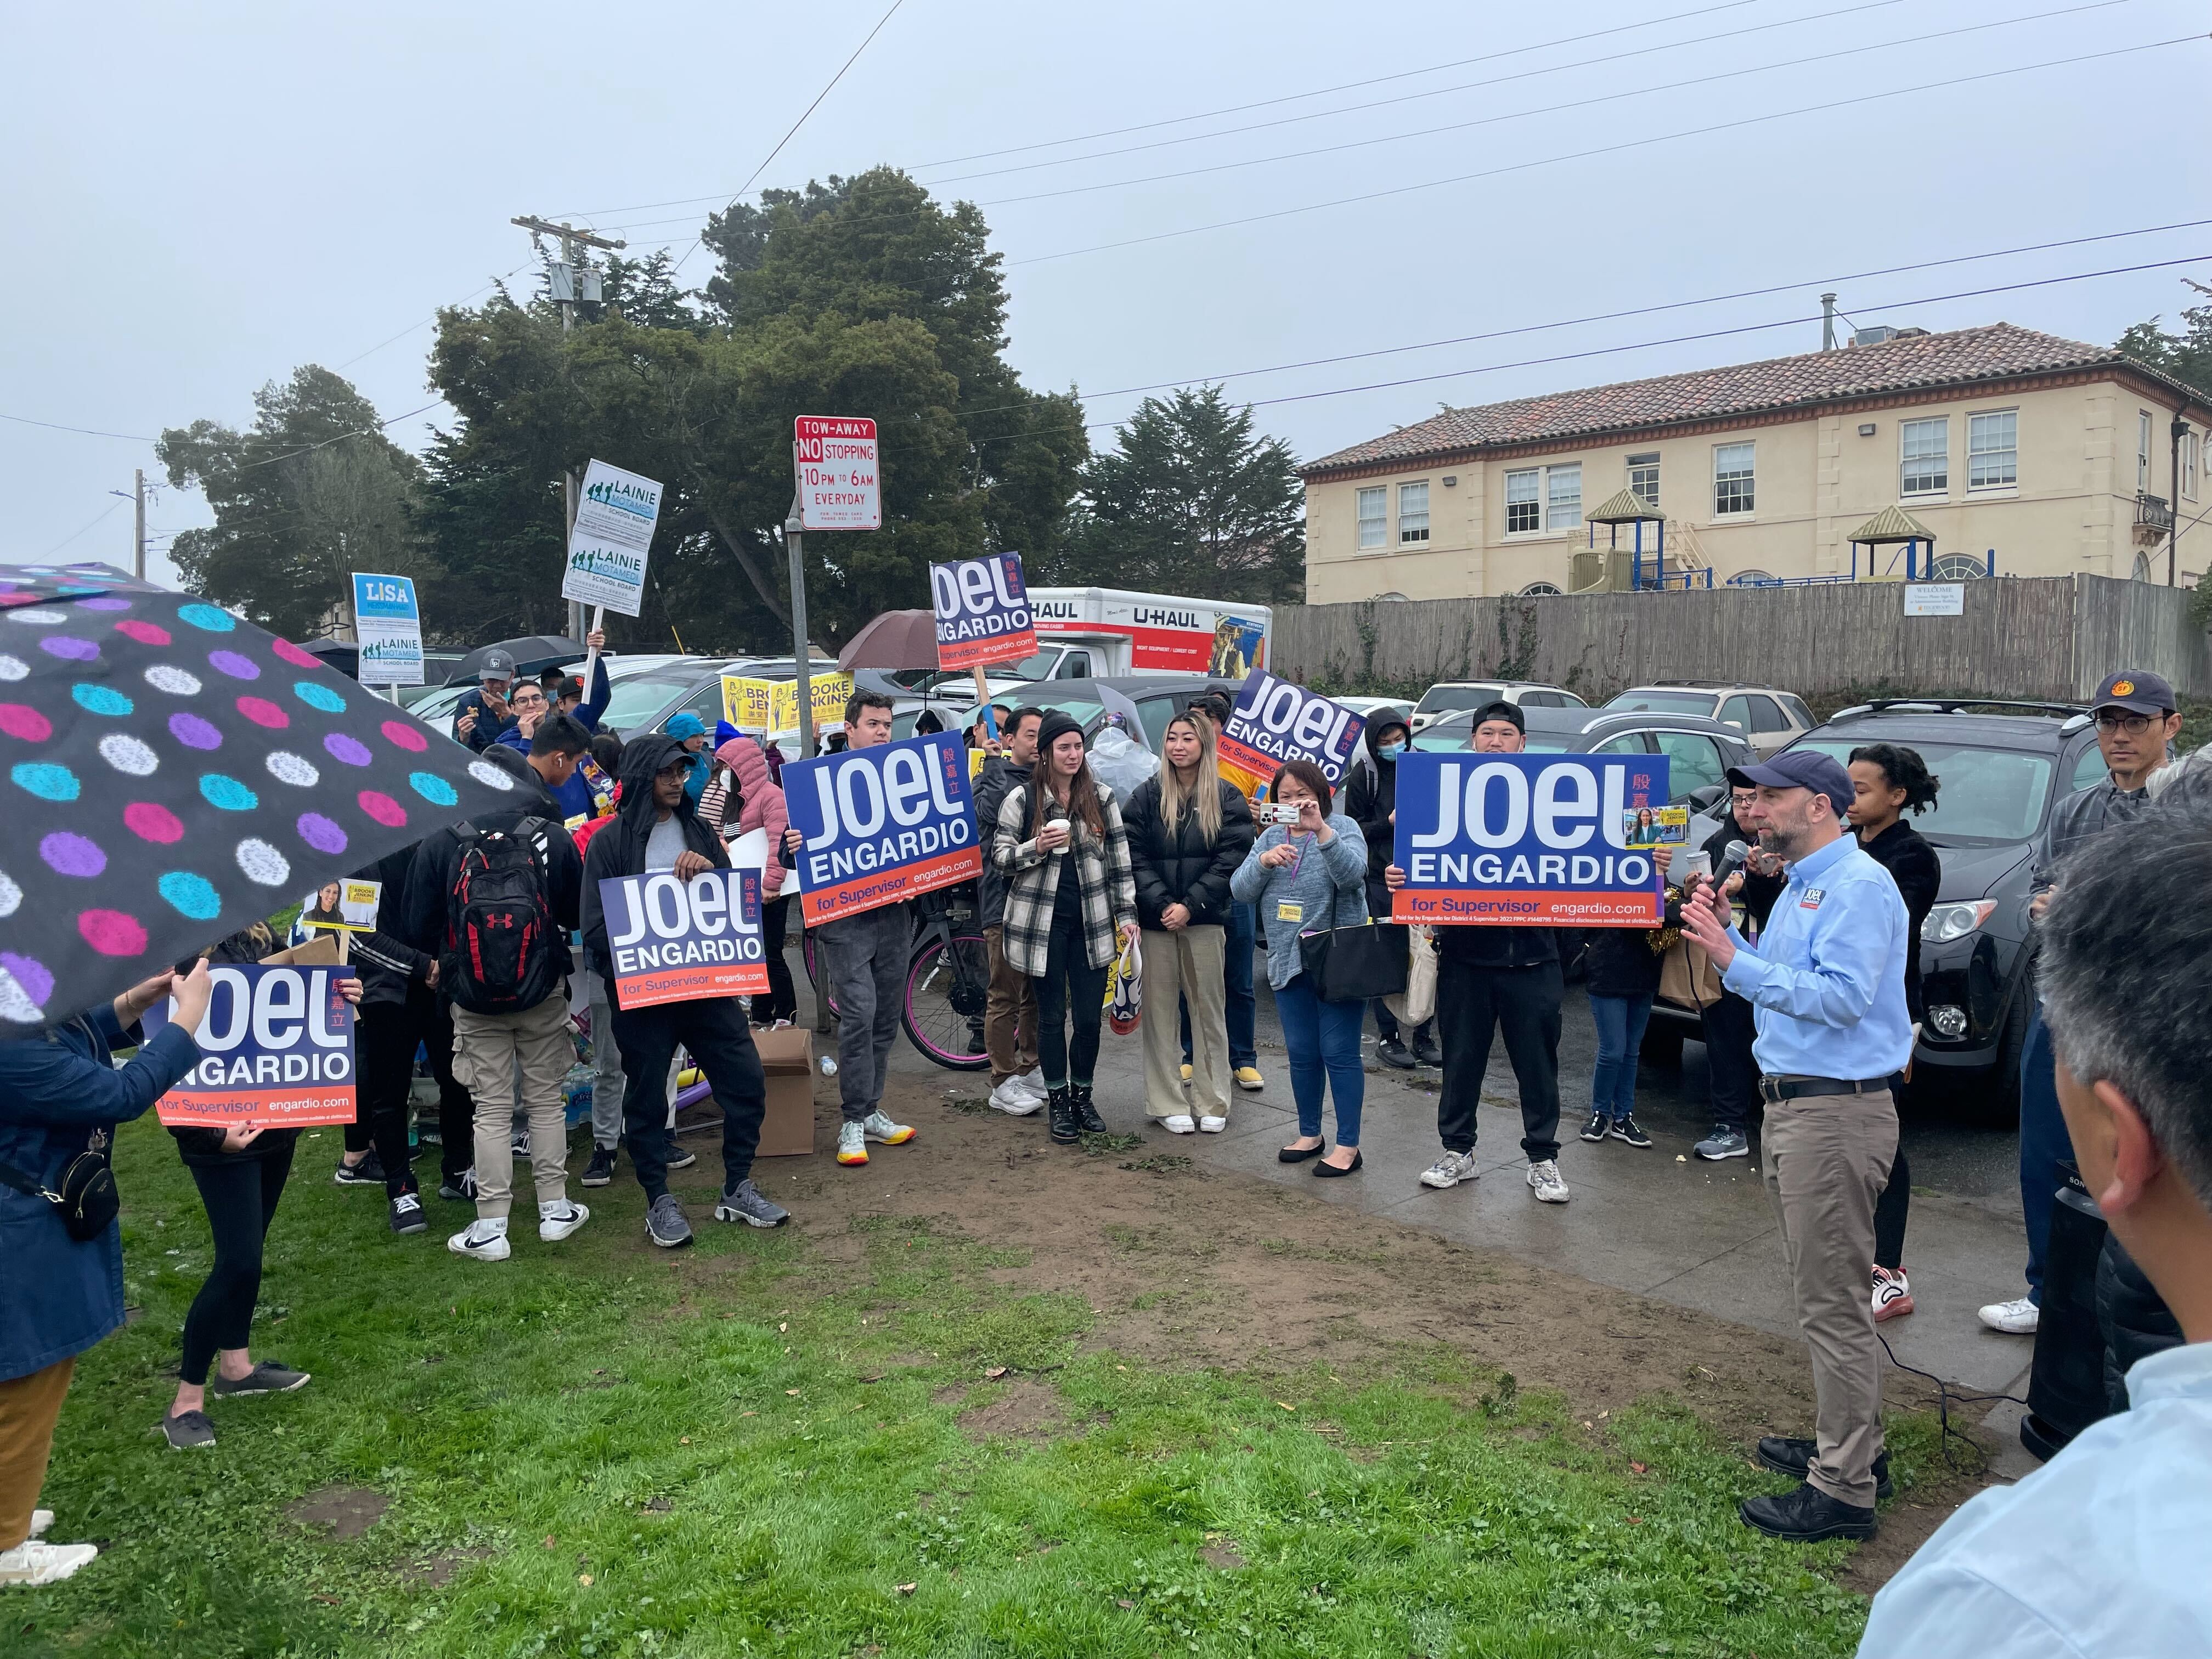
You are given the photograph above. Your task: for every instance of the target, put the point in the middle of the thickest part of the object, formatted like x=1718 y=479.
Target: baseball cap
x=497 y=665
x=2137 y=692
x=1801 y=768
x=1502 y=710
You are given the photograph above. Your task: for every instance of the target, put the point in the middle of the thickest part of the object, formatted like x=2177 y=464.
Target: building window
x=1413 y=511
x=1540 y=590
x=1523 y=510
x=1957 y=567
x=1993 y=450
x=1926 y=449
x=1562 y=496
x=2142 y=451
x=1643 y=478
x=1733 y=490
x=2189 y=458
x=1373 y=519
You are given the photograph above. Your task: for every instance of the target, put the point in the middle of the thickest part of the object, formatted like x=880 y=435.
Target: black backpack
x=500 y=932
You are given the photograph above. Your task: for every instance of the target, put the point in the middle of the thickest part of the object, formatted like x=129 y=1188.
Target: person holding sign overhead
x=1071 y=904
x=657 y=829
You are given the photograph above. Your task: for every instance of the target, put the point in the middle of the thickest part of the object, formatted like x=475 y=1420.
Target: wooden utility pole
x=138 y=502
x=569 y=280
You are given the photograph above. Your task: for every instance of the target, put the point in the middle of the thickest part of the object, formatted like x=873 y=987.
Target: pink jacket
x=764 y=804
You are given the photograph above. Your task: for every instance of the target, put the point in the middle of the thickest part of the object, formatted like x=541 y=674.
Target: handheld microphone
x=1733 y=858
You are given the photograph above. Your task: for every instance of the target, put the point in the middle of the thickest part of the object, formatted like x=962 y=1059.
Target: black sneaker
x=461 y=1188
x=270 y=1376
x=1807 y=1516
x=600 y=1171
x=407 y=1214
x=369 y=1172
x=681 y=1158
x=1595 y=1128
x=519 y=1144
x=1392 y=1051
x=1788 y=1455
x=1623 y=1128
x=188 y=1429
x=1427 y=1049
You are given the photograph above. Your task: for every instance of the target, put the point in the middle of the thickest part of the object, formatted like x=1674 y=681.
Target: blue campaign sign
x=388 y=624
x=881 y=824
x=275 y=1049
x=1527 y=840
x=678 y=941
x=1273 y=721
x=982 y=611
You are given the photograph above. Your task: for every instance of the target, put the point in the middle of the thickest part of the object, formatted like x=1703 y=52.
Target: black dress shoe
x=1391 y=1051
x=1086 y=1115
x=1806 y=1515
x=1300 y=1154
x=1790 y=1456
x=1353 y=1167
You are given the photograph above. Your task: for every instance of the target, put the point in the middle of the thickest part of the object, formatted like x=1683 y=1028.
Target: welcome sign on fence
x=275 y=1049
x=881 y=824
x=1275 y=721
x=1525 y=840
x=679 y=941
x=982 y=611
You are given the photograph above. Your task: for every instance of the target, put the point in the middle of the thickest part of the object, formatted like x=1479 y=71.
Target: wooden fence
x=2051 y=637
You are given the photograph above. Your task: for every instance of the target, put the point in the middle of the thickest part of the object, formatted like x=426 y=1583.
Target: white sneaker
x=32 y=1563
x=1033 y=1080
x=1210 y=1125
x=1179 y=1123
x=483 y=1241
x=2018 y=1317
x=553 y=1226
x=1015 y=1101
x=40 y=1520
x=1450 y=1169
x=1544 y=1181
x=852 y=1145
x=878 y=1127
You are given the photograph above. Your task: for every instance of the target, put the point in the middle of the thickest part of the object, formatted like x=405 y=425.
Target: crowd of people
x=1806 y=950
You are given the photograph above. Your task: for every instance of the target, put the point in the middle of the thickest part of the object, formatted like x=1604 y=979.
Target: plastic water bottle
x=828 y=1065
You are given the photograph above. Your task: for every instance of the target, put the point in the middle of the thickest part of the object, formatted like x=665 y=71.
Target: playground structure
x=1639 y=568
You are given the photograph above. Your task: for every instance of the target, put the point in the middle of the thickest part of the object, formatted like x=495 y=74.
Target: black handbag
x=86 y=1195
x=1358 y=963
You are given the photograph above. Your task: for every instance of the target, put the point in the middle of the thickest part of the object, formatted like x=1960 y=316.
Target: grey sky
x=200 y=198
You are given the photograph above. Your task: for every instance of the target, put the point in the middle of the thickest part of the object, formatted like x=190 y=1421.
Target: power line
x=88 y=432
x=101 y=519
x=427 y=321
x=1584 y=154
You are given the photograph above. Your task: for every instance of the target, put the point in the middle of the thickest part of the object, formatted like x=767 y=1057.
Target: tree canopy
x=2187 y=356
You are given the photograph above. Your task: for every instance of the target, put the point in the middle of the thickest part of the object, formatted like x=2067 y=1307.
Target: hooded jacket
x=388 y=965
x=618 y=850
x=998 y=775
x=1370 y=799
x=430 y=877
x=762 y=805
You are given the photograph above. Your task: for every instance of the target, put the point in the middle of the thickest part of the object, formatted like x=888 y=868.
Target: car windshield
x=1442 y=697
x=1663 y=703
x=1989 y=795
x=634 y=701
x=1035 y=666
x=1449 y=735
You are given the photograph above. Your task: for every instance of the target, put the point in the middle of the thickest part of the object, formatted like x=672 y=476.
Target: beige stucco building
x=2046 y=456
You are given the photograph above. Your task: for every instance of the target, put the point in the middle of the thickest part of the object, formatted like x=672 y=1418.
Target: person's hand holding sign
x=1705 y=919
x=690 y=864
x=793 y=840
x=239 y=1136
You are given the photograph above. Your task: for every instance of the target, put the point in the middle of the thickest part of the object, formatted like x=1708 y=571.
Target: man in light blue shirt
x=2107 y=1549
x=1826 y=986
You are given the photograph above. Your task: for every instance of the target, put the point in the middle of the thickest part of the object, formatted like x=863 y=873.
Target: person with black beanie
x=1370 y=800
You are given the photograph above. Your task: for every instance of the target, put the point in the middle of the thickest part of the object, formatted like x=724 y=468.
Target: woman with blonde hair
x=1187 y=833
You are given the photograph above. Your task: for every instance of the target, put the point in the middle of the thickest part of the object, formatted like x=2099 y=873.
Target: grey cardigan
x=1327 y=888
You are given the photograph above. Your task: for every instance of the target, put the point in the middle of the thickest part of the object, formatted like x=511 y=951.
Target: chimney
x=1827 y=322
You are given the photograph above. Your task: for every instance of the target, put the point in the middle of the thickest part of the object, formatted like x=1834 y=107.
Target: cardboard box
x=320 y=951
x=787 y=1057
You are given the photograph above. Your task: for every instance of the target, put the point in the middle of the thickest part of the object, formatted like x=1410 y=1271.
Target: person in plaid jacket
x=1065 y=933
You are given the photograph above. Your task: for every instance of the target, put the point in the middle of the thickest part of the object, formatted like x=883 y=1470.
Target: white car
x=1455 y=696
x=1371 y=709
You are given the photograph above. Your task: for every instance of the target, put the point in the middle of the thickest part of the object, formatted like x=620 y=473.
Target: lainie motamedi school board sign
x=982 y=611
x=388 y=625
x=678 y=941
x=611 y=540
x=881 y=824
x=275 y=1049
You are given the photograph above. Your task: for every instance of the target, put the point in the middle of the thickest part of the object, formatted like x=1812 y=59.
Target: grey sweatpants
x=864 y=960
x=607 y=1068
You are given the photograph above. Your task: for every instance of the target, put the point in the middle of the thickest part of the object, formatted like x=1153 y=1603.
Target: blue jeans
x=1620 y=1022
x=1239 y=939
x=1322 y=1039
x=2044 y=1145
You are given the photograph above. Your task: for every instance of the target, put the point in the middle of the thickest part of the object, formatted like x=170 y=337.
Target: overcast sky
x=201 y=198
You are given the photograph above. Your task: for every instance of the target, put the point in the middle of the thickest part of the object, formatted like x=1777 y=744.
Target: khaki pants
x=1825 y=1159
x=1010 y=1016
x=29 y=1407
x=486 y=1049
x=1188 y=961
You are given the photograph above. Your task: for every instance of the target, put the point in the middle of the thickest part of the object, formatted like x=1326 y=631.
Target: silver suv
x=1771 y=720
x=1454 y=697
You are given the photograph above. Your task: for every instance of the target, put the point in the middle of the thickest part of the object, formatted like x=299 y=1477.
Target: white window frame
x=1554 y=514
x=2191 y=454
x=1749 y=476
x=1563 y=512
x=2142 y=451
x=1535 y=502
x=1378 y=521
x=1645 y=461
x=1975 y=453
x=1906 y=431
x=1413 y=534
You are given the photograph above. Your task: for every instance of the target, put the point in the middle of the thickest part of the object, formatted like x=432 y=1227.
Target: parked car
x=1371 y=709
x=1700 y=751
x=1771 y=720
x=1451 y=696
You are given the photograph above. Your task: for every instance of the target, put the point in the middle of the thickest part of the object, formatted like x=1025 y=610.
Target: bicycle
x=948 y=979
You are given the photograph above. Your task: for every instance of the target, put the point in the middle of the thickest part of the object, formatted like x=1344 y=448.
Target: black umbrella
x=533 y=653
x=174 y=773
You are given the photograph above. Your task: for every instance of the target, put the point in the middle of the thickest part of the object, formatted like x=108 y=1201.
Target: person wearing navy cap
x=1827 y=981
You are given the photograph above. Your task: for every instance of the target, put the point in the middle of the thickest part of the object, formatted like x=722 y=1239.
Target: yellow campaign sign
x=755 y=707
x=831 y=693
x=748 y=704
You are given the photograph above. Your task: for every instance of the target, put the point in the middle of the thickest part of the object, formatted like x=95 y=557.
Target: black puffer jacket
x=1912 y=861
x=619 y=849
x=1175 y=866
x=1369 y=798
x=998 y=775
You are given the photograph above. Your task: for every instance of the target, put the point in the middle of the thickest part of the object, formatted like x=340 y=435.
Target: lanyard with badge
x=1285 y=909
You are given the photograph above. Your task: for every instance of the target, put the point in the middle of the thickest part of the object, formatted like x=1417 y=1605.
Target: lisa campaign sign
x=275 y=1049
x=611 y=540
x=881 y=824
x=1275 y=721
x=982 y=611
x=389 y=626
x=678 y=941
x=1525 y=840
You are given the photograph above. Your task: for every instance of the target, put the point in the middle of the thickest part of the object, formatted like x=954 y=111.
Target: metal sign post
x=793 y=541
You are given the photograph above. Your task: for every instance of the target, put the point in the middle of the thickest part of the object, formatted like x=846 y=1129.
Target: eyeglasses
x=2134 y=725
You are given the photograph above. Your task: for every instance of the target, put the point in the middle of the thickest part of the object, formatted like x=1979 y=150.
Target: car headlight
x=1948 y=1021
x=1949 y=921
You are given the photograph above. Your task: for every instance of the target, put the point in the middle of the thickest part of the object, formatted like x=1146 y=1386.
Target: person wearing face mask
x=1370 y=800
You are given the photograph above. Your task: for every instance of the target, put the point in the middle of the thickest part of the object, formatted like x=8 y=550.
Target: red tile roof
x=2000 y=351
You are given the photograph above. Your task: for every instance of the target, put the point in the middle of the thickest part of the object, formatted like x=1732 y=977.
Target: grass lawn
x=763 y=1445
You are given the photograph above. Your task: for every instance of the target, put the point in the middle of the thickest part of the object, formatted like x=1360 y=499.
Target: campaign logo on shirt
x=1812 y=899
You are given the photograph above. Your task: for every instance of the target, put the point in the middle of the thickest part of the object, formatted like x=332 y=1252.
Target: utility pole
x=138 y=502
x=571 y=279
x=794 y=543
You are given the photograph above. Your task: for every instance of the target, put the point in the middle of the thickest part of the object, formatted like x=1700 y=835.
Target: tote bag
x=1358 y=963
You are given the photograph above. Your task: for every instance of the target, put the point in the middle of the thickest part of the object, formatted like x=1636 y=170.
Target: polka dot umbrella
x=169 y=774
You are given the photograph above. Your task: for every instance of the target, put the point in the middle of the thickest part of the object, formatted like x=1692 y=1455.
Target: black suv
x=2004 y=768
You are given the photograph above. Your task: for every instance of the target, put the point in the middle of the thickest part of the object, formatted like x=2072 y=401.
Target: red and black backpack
x=500 y=932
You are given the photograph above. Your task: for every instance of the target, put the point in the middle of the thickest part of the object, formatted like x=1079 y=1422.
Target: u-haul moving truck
x=1125 y=632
